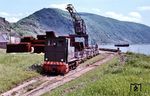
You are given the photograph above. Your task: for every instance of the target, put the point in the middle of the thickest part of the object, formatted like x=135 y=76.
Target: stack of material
x=21 y=47
x=39 y=44
x=28 y=44
x=27 y=39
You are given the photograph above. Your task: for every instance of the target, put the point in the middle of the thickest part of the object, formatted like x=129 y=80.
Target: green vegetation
x=111 y=79
x=2 y=51
x=93 y=60
x=15 y=68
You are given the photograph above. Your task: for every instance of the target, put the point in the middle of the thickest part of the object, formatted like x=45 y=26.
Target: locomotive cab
x=56 y=50
x=58 y=54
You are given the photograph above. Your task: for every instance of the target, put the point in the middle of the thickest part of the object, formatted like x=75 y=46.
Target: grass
x=111 y=79
x=17 y=67
x=93 y=60
x=14 y=68
x=2 y=51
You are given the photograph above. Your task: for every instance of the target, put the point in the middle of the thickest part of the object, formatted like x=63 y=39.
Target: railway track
x=43 y=84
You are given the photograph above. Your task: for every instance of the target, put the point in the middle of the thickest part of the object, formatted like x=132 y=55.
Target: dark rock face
x=4 y=25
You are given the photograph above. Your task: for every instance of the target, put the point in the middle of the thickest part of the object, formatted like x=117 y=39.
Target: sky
x=125 y=10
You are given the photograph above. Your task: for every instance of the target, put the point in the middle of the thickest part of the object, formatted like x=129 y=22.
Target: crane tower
x=78 y=23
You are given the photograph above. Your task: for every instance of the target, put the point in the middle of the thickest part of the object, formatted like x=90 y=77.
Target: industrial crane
x=78 y=23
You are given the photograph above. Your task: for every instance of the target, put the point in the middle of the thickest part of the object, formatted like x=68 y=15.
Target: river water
x=143 y=48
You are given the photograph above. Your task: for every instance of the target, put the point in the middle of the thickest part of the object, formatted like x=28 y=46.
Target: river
x=142 y=49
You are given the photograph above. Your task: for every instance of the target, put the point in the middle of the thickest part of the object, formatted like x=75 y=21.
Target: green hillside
x=100 y=29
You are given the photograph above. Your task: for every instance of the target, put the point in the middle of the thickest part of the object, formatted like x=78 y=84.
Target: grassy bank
x=2 y=51
x=14 y=68
x=111 y=79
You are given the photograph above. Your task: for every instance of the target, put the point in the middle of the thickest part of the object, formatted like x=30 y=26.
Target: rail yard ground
x=112 y=78
x=15 y=69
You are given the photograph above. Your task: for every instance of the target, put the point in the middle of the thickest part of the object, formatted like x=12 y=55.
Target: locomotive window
x=51 y=43
x=60 y=43
x=55 y=43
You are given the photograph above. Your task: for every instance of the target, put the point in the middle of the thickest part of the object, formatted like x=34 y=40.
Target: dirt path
x=43 y=84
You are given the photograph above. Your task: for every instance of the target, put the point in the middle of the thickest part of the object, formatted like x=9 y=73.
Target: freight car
x=62 y=55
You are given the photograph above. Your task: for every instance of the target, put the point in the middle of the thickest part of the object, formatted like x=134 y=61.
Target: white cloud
x=4 y=14
x=96 y=10
x=135 y=14
x=132 y=16
x=144 y=8
x=11 y=14
x=60 y=6
x=12 y=19
x=18 y=14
